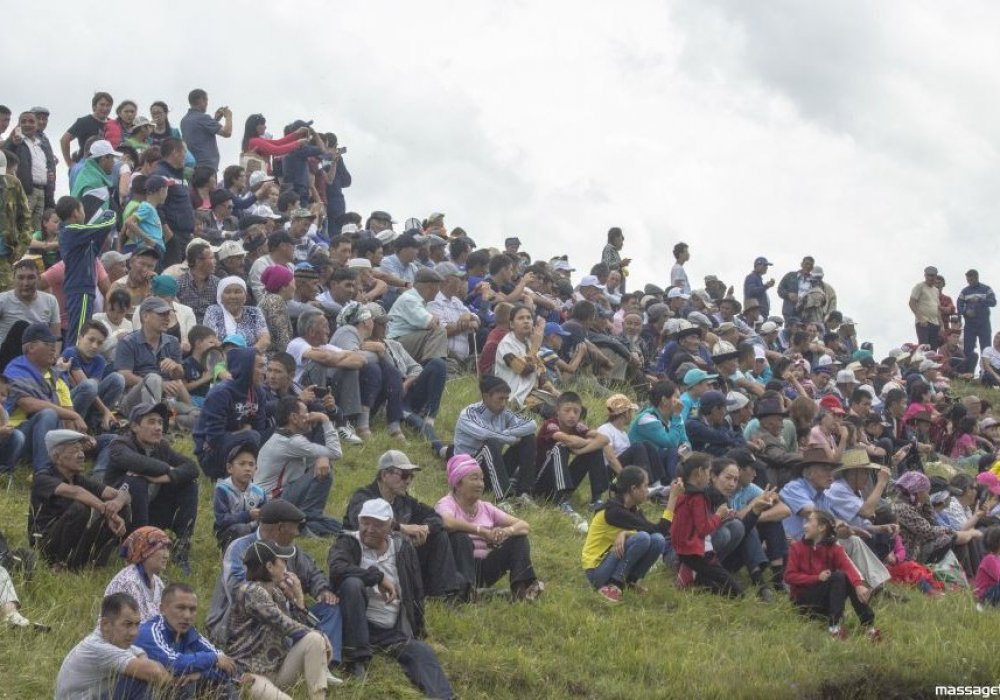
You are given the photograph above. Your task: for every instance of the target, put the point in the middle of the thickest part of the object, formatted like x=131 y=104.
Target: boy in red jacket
x=692 y=526
x=821 y=577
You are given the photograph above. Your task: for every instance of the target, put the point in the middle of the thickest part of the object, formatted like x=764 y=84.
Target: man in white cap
x=93 y=185
x=77 y=522
x=418 y=521
x=377 y=576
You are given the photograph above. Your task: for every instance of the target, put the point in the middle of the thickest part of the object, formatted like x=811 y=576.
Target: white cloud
x=862 y=134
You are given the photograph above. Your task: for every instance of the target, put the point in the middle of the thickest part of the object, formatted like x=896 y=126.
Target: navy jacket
x=177 y=211
x=232 y=404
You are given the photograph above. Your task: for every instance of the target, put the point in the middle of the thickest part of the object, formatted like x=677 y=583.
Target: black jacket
x=344 y=562
x=127 y=456
x=23 y=153
x=405 y=509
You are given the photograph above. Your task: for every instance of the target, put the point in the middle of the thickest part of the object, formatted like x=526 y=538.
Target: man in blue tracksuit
x=171 y=640
x=974 y=304
x=234 y=412
x=79 y=245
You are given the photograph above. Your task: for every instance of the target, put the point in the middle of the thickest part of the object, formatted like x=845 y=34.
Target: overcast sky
x=864 y=134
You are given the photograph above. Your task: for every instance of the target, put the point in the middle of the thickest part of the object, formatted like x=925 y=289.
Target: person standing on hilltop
x=974 y=304
x=611 y=255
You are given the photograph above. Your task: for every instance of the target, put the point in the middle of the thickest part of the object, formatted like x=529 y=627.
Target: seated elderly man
x=172 y=640
x=38 y=398
x=416 y=328
x=811 y=491
x=418 y=521
x=449 y=306
x=318 y=363
x=235 y=412
x=150 y=360
x=107 y=664
x=162 y=482
x=74 y=521
x=291 y=467
x=280 y=522
x=377 y=576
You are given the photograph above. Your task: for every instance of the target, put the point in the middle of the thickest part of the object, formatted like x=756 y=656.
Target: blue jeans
x=641 y=551
x=727 y=538
x=310 y=494
x=383 y=384
x=109 y=390
x=11 y=448
x=213 y=461
x=330 y=624
x=425 y=395
x=34 y=430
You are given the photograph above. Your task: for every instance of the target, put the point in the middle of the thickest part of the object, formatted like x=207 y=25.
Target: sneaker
x=980 y=608
x=765 y=593
x=837 y=632
x=658 y=492
x=347 y=434
x=357 y=669
x=610 y=593
x=506 y=506
x=333 y=680
x=534 y=590
x=578 y=520
x=873 y=635
x=596 y=505
x=636 y=587
x=685 y=576
x=16 y=619
x=525 y=500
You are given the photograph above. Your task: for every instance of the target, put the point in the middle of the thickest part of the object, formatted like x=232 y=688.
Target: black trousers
x=510 y=471
x=826 y=600
x=80 y=538
x=647 y=456
x=174 y=508
x=711 y=575
x=438 y=567
x=559 y=475
x=512 y=557
x=362 y=639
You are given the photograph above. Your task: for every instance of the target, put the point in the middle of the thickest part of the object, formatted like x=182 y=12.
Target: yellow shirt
x=18 y=416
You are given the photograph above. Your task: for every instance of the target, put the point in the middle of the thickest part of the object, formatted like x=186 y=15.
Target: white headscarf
x=227 y=317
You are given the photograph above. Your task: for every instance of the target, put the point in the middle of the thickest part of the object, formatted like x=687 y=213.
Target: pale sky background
x=864 y=134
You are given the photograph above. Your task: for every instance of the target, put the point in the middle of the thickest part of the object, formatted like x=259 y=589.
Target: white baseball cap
x=101 y=148
x=377 y=508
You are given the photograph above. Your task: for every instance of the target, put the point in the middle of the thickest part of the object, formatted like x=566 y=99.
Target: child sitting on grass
x=988 y=575
x=198 y=368
x=622 y=544
x=821 y=577
x=693 y=523
x=237 y=501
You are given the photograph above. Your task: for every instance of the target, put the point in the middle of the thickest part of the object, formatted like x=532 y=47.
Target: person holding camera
x=200 y=130
x=291 y=467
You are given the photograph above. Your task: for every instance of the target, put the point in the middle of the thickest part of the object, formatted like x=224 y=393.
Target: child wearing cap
x=237 y=500
x=199 y=366
x=620 y=450
x=548 y=353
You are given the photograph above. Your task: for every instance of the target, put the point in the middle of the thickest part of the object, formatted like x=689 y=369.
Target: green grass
x=569 y=644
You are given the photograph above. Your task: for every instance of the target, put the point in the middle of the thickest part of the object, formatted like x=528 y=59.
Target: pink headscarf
x=911 y=483
x=459 y=467
x=275 y=278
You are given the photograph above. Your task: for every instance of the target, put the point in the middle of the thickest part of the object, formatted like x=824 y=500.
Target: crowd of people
x=779 y=453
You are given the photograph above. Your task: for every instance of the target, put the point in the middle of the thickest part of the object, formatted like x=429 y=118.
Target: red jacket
x=806 y=561
x=693 y=522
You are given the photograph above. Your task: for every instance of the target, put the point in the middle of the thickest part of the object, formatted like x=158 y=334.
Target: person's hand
x=175 y=388
x=842 y=530
x=321 y=470
x=78 y=424
x=168 y=366
x=619 y=546
x=376 y=347
x=6 y=430
x=388 y=590
x=225 y=664
x=501 y=534
x=824 y=574
x=316 y=417
x=107 y=420
x=723 y=511
x=328 y=597
x=303 y=131
x=434 y=323
x=625 y=262
x=897 y=457
x=255 y=513
x=291 y=586
x=308 y=394
x=756 y=444
x=116 y=524
x=884 y=474
x=891 y=558
x=864 y=592
x=329 y=402
x=417 y=533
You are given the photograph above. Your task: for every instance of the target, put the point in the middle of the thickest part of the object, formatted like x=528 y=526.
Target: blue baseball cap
x=762 y=261
x=697 y=376
x=553 y=327
x=235 y=339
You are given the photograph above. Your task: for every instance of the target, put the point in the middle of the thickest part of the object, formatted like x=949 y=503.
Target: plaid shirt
x=198 y=299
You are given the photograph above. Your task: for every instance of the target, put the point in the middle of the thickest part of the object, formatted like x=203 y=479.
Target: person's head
x=746 y=463
x=632 y=485
x=66 y=450
x=662 y=395
x=819 y=528
x=819 y=473
x=280 y=521
x=725 y=475
x=28 y=123
x=266 y=560
x=501 y=268
x=69 y=210
x=395 y=473
x=148 y=546
x=280 y=372
x=522 y=320
x=681 y=253
x=200 y=260
x=495 y=393
x=375 y=523
x=198 y=100
x=254 y=127
x=291 y=415
x=972 y=277
x=101 y=105
x=427 y=282
x=465 y=477
x=172 y=152
x=142 y=266
x=861 y=402
x=616 y=238
x=241 y=464
x=696 y=470
x=179 y=606
x=343 y=284
x=569 y=406
x=90 y=339
x=313 y=327
x=147 y=421
x=232 y=294
x=4 y=118
x=38 y=345
x=25 y=280
x=119 y=621
x=991 y=539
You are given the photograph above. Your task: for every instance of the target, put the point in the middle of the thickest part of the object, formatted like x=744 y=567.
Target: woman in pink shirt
x=487 y=542
x=255 y=143
x=988 y=575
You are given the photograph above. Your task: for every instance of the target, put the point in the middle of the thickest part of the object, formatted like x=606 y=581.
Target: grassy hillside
x=569 y=644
